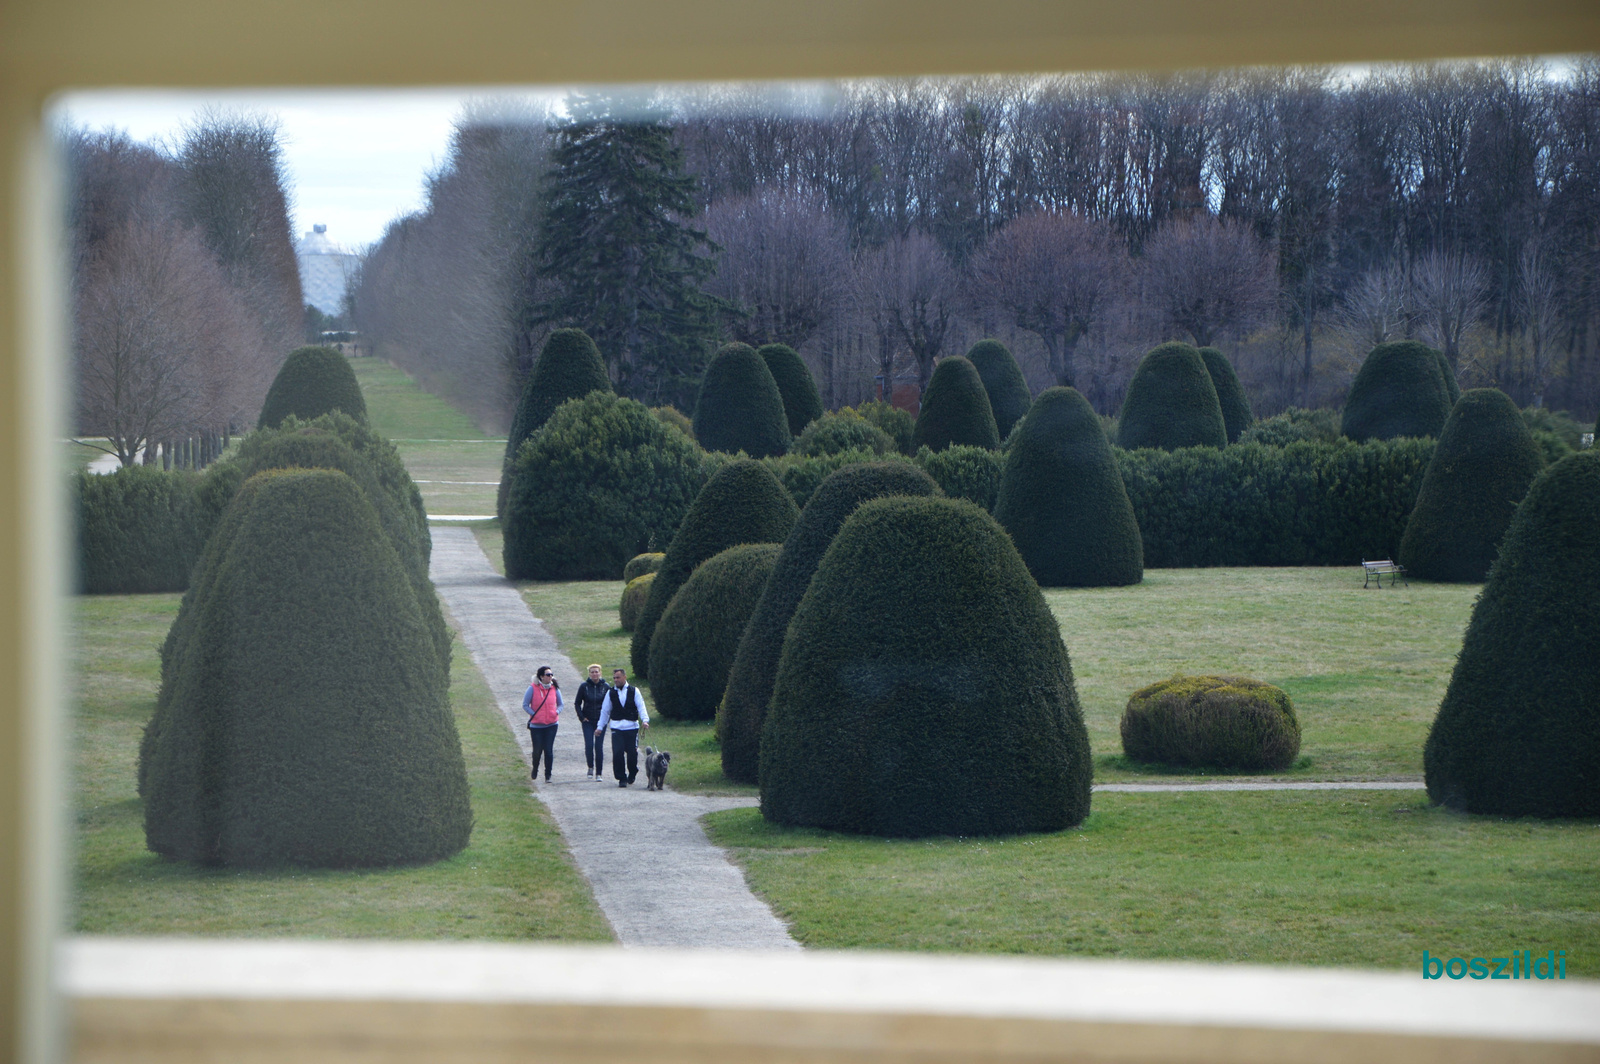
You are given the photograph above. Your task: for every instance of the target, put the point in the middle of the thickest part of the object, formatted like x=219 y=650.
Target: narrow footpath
x=657 y=877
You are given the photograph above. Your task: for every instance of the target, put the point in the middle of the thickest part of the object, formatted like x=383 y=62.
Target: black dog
x=655 y=768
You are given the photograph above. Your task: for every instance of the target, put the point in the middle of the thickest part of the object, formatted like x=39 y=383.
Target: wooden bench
x=1377 y=571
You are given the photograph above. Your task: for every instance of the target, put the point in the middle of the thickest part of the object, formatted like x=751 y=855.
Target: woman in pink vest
x=542 y=704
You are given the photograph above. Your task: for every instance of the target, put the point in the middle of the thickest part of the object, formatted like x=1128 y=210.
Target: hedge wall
x=311 y=382
x=140 y=530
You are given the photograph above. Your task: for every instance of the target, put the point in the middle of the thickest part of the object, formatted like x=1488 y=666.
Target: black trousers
x=544 y=742
x=593 y=746
x=625 y=754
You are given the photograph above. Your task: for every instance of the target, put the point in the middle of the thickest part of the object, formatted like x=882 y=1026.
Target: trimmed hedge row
x=141 y=530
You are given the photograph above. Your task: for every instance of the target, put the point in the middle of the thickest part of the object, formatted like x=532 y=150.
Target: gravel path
x=657 y=877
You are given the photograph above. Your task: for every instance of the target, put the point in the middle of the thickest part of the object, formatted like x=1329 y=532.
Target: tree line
x=1292 y=217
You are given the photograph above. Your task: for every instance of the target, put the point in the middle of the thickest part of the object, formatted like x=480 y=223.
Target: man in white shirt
x=624 y=714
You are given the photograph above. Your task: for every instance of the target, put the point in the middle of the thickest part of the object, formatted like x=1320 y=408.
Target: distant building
x=325 y=270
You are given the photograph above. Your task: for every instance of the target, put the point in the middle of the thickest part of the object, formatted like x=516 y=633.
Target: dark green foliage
x=603 y=481
x=896 y=423
x=741 y=503
x=740 y=407
x=1480 y=471
x=802 y=404
x=801 y=475
x=634 y=596
x=140 y=530
x=640 y=564
x=312 y=381
x=1225 y=722
x=695 y=642
x=971 y=473
x=1399 y=391
x=1171 y=403
x=955 y=410
x=1062 y=500
x=1236 y=413
x=1294 y=424
x=304 y=718
x=569 y=367
x=924 y=688
x=755 y=667
x=1250 y=504
x=1557 y=433
x=842 y=431
x=1002 y=378
x=1518 y=733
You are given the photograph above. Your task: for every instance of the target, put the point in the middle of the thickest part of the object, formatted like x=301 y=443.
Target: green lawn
x=514 y=881
x=1366 y=879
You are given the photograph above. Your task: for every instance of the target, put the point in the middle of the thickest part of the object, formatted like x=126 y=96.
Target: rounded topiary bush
x=1292 y=426
x=698 y=635
x=640 y=564
x=741 y=503
x=634 y=594
x=955 y=410
x=755 y=666
x=1063 y=500
x=1400 y=390
x=305 y=720
x=1518 y=732
x=569 y=367
x=1221 y=722
x=1236 y=413
x=1002 y=378
x=924 y=688
x=962 y=472
x=312 y=381
x=1171 y=403
x=1480 y=471
x=603 y=481
x=898 y=425
x=740 y=407
x=802 y=403
x=840 y=432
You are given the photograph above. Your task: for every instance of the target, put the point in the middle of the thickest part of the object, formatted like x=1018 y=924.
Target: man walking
x=624 y=713
x=590 y=704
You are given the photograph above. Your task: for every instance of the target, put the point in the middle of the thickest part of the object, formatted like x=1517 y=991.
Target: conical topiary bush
x=1399 y=391
x=306 y=720
x=1480 y=471
x=311 y=382
x=1002 y=378
x=755 y=666
x=1063 y=501
x=955 y=410
x=802 y=403
x=1171 y=403
x=1236 y=413
x=569 y=367
x=740 y=407
x=697 y=636
x=924 y=688
x=742 y=503
x=1518 y=733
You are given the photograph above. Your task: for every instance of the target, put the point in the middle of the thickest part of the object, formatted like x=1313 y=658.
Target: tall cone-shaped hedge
x=1399 y=391
x=924 y=688
x=740 y=407
x=802 y=403
x=1002 y=378
x=1480 y=471
x=698 y=635
x=1063 y=500
x=955 y=409
x=569 y=367
x=755 y=666
x=1518 y=733
x=742 y=503
x=1236 y=413
x=1171 y=403
x=306 y=720
x=311 y=382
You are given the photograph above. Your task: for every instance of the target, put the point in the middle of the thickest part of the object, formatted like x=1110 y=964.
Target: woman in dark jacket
x=591 y=693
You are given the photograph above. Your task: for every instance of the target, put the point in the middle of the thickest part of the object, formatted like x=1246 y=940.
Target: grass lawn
x=514 y=881
x=1365 y=879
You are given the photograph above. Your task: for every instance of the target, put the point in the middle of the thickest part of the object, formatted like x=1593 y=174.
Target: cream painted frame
x=47 y=46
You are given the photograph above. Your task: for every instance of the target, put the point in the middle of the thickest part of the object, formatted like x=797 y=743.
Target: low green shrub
x=844 y=430
x=634 y=595
x=971 y=473
x=569 y=367
x=1171 y=403
x=1400 y=390
x=802 y=474
x=802 y=404
x=898 y=425
x=1221 y=722
x=955 y=410
x=697 y=637
x=1293 y=425
x=1002 y=378
x=311 y=382
x=140 y=530
x=1236 y=413
x=1556 y=432
x=671 y=415
x=740 y=407
x=640 y=564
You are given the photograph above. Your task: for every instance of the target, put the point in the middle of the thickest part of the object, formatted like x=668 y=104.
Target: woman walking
x=591 y=699
x=542 y=704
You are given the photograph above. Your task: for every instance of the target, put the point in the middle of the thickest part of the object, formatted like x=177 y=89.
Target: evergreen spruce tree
x=1002 y=378
x=802 y=403
x=1171 y=403
x=955 y=410
x=740 y=407
x=616 y=241
x=1236 y=413
x=569 y=367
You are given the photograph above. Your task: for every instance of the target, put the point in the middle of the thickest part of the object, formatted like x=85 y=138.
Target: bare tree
x=1541 y=315
x=912 y=292
x=1208 y=276
x=1451 y=295
x=1377 y=308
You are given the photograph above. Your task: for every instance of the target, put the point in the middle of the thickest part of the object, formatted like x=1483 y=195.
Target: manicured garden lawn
x=1365 y=879
x=514 y=880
